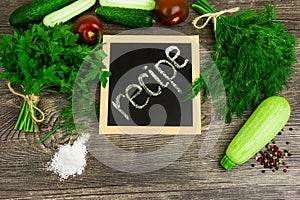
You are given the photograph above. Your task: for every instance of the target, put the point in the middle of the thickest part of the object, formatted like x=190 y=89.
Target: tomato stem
x=91 y=34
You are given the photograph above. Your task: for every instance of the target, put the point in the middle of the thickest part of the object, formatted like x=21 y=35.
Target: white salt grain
x=70 y=159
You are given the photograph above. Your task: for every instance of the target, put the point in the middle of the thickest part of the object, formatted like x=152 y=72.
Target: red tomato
x=89 y=27
x=170 y=12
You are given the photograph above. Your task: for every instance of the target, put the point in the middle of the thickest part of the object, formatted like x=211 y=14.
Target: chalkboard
x=150 y=76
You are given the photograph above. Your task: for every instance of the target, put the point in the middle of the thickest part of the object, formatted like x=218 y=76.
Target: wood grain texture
x=23 y=163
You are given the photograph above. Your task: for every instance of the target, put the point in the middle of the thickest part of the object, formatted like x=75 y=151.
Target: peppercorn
x=279 y=133
x=272 y=158
x=284 y=163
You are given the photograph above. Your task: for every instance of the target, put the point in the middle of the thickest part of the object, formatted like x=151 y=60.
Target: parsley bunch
x=254 y=55
x=43 y=58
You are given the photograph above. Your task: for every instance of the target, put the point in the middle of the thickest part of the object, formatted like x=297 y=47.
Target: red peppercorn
x=278 y=154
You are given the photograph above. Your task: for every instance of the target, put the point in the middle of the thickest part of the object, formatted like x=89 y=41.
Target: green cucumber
x=262 y=126
x=128 y=17
x=140 y=4
x=34 y=11
x=65 y=14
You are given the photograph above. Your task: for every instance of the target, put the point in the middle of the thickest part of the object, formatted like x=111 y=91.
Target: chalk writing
x=169 y=80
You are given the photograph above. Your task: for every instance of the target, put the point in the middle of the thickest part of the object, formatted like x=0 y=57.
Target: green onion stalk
x=27 y=120
x=253 y=52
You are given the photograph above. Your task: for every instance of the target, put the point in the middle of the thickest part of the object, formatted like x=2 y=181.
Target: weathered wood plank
x=22 y=162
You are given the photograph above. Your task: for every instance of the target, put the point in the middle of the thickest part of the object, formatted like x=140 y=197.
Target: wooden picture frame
x=130 y=51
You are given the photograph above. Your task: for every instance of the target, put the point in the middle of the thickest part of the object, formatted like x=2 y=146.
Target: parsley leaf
x=40 y=58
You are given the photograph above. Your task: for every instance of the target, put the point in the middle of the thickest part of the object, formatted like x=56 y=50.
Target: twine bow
x=32 y=100
x=213 y=16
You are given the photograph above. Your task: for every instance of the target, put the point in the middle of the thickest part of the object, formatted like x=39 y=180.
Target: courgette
x=66 y=13
x=140 y=4
x=128 y=17
x=34 y=11
x=261 y=127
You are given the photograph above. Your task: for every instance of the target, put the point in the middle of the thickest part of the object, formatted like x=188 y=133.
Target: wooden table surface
x=23 y=172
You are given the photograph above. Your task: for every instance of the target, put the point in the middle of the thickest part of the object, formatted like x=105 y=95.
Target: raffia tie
x=213 y=16
x=31 y=100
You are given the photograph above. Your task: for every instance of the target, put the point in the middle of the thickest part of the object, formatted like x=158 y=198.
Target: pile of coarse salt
x=70 y=159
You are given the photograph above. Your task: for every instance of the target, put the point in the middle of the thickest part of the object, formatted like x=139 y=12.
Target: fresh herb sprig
x=254 y=55
x=92 y=70
x=40 y=58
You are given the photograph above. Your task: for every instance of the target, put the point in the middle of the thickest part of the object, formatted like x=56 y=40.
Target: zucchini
x=65 y=14
x=261 y=127
x=128 y=17
x=34 y=11
x=140 y=4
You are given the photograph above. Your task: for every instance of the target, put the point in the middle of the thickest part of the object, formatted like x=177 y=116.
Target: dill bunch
x=254 y=55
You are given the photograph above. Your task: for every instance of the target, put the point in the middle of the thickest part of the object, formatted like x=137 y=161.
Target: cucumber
x=262 y=126
x=34 y=11
x=128 y=17
x=140 y=4
x=65 y=14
